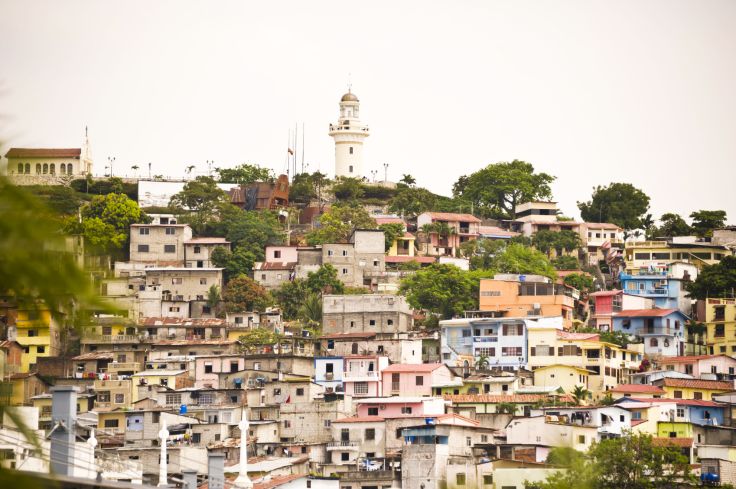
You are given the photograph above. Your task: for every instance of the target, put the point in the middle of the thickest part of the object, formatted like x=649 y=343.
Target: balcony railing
x=359 y=375
x=343 y=445
x=106 y=338
x=658 y=292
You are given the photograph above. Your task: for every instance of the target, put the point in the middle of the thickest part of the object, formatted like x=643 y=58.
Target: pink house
x=207 y=368
x=458 y=228
x=403 y=379
x=401 y=407
x=717 y=367
x=281 y=254
x=362 y=375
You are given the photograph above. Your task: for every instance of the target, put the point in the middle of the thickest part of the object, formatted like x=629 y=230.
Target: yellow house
x=24 y=386
x=674 y=429
x=85 y=403
x=38 y=334
x=642 y=254
x=719 y=316
x=174 y=379
x=693 y=388
x=566 y=377
x=111 y=426
x=607 y=364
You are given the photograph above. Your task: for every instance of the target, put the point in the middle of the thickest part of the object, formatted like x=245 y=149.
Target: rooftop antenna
x=302 y=147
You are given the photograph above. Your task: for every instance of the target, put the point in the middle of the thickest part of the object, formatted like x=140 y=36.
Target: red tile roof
x=405 y=259
x=275 y=265
x=606 y=293
x=672 y=442
x=360 y=419
x=277 y=481
x=497 y=399
x=689 y=358
x=497 y=231
x=635 y=422
x=389 y=220
x=638 y=388
x=409 y=368
x=43 y=153
x=719 y=385
x=205 y=239
x=451 y=216
x=679 y=402
x=631 y=313
x=565 y=335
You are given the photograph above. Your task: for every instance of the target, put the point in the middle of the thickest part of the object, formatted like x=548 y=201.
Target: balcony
x=648 y=292
x=105 y=338
x=122 y=366
x=343 y=446
x=658 y=330
x=485 y=339
x=358 y=376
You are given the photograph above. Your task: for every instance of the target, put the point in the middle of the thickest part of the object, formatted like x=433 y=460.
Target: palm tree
x=214 y=298
x=408 y=179
x=482 y=362
x=427 y=230
x=190 y=168
x=135 y=169
x=580 y=394
x=310 y=312
x=505 y=408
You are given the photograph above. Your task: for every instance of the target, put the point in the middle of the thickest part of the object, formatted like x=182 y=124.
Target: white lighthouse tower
x=349 y=134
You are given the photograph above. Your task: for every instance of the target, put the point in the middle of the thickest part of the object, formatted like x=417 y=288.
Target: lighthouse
x=349 y=133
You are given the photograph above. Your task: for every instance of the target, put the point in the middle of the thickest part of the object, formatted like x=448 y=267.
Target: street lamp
x=111 y=160
x=374 y=173
x=385 y=172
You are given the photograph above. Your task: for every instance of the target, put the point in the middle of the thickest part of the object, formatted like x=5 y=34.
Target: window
x=40 y=349
x=406 y=410
x=32 y=333
x=169 y=248
x=176 y=281
x=196 y=437
x=460 y=479
x=344 y=271
x=420 y=380
x=287 y=423
x=372 y=322
x=370 y=434
x=511 y=351
x=119 y=398
x=677 y=395
x=277 y=254
x=373 y=411
x=328 y=423
x=300 y=391
x=581 y=438
x=345 y=456
x=144 y=231
x=206 y=398
x=197 y=249
x=351 y=152
x=173 y=309
x=103 y=396
x=698 y=395
x=360 y=388
x=111 y=423
x=173 y=399
x=170 y=231
x=142 y=248
x=208 y=367
x=277 y=391
x=487 y=480
x=350 y=169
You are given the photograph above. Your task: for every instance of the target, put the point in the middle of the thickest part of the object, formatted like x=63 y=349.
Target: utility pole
x=111 y=160
x=385 y=172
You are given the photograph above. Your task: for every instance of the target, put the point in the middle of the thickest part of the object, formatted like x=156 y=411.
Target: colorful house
x=607 y=303
x=714 y=367
x=565 y=377
x=414 y=380
x=646 y=254
x=664 y=284
x=444 y=232
x=362 y=375
x=719 y=316
x=697 y=389
x=37 y=331
x=661 y=330
x=637 y=390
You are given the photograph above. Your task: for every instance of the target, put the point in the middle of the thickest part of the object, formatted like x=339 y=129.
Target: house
x=177 y=292
x=608 y=363
x=510 y=295
x=48 y=166
x=606 y=303
x=694 y=389
x=565 y=377
x=198 y=251
x=400 y=407
x=262 y=195
x=37 y=331
x=719 y=317
x=599 y=238
x=159 y=244
x=638 y=390
x=645 y=254
x=444 y=232
x=11 y=358
x=662 y=330
x=24 y=386
x=474 y=405
x=168 y=328
x=272 y=275
x=414 y=380
x=208 y=367
x=362 y=375
x=399 y=348
x=664 y=284
x=382 y=314
x=710 y=367
x=501 y=342
x=496 y=383
x=174 y=379
x=328 y=373
x=404 y=244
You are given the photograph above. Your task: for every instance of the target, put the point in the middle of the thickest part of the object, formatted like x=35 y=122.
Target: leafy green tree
x=672 y=225
x=243 y=294
x=249 y=230
x=557 y=241
x=716 y=281
x=482 y=362
x=616 y=337
x=704 y=222
x=408 y=179
x=199 y=202
x=582 y=282
x=506 y=408
x=412 y=201
x=237 y=262
x=347 y=189
x=580 y=394
x=290 y=296
x=338 y=223
x=245 y=174
x=305 y=187
x=391 y=231
x=256 y=338
x=325 y=280
x=497 y=189
x=214 y=297
x=566 y=262
x=516 y=258
x=440 y=288
x=618 y=203
x=310 y=311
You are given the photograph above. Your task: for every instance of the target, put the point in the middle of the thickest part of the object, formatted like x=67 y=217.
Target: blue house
x=328 y=373
x=663 y=284
x=662 y=330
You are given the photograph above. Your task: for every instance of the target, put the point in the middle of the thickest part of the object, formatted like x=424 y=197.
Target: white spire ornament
x=242 y=481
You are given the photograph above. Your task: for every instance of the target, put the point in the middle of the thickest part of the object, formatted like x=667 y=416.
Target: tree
x=391 y=231
x=615 y=337
x=580 y=394
x=325 y=280
x=672 y=225
x=237 y=262
x=310 y=311
x=566 y=262
x=214 y=298
x=704 y=222
x=408 y=179
x=580 y=281
x=497 y=189
x=715 y=281
x=517 y=258
x=135 y=168
x=412 y=201
x=482 y=362
x=190 y=168
x=243 y=294
x=290 y=296
x=199 y=202
x=558 y=241
x=244 y=174
x=505 y=408
x=348 y=189
x=249 y=230
x=440 y=288
x=339 y=222
x=257 y=337
x=618 y=203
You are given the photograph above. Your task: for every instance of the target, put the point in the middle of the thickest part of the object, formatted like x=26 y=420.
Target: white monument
x=349 y=133
x=242 y=480
x=163 y=437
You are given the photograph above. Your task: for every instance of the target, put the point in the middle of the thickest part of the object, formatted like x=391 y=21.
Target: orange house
x=527 y=295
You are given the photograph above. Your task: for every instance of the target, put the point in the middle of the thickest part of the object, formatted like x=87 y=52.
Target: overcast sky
x=591 y=92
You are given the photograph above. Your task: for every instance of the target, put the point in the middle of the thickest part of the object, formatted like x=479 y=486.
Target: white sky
x=592 y=92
